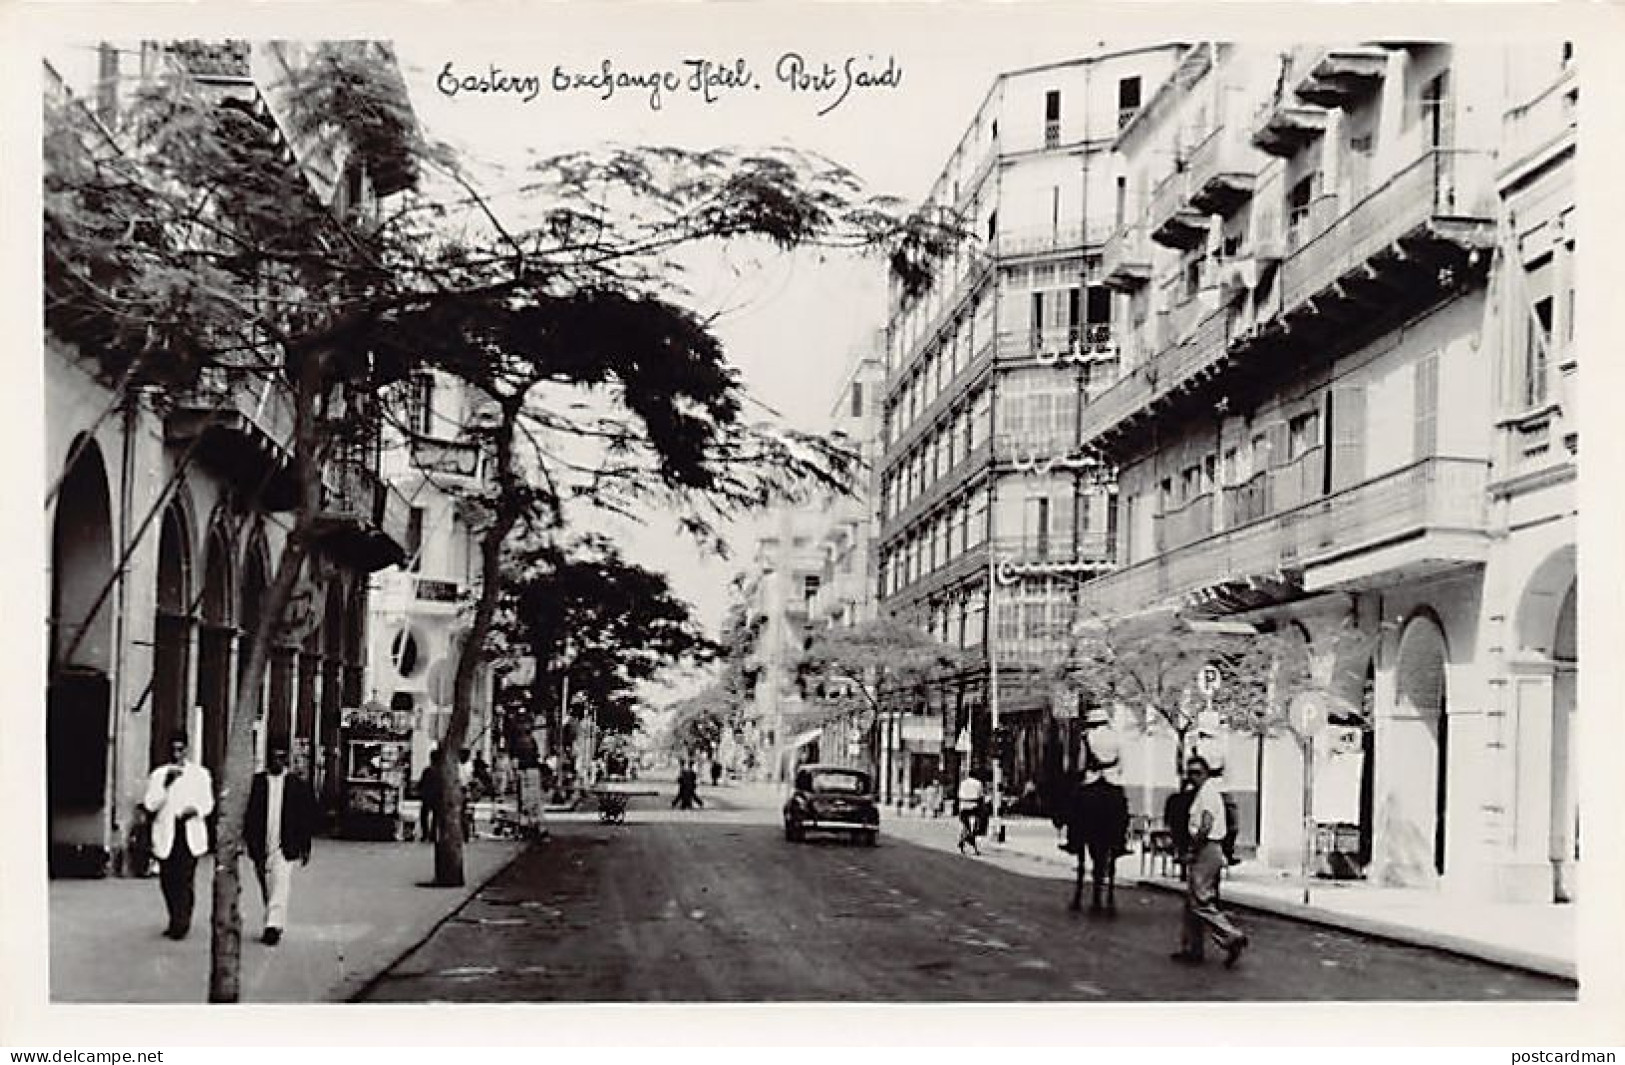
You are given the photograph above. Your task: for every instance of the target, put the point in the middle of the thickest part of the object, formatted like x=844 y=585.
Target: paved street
x=714 y=905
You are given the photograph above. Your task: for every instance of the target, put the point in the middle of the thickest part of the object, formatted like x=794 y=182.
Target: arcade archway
x=78 y=697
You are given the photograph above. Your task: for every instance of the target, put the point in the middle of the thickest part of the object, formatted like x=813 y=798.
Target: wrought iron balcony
x=1338 y=77
x=1419 y=519
x=1221 y=172
x=1060 y=346
x=1125 y=261
x=238 y=421
x=1173 y=222
x=362 y=521
x=964 y=567
x=1015 y=557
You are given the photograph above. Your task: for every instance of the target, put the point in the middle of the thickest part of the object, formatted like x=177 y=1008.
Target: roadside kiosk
x=377 y=744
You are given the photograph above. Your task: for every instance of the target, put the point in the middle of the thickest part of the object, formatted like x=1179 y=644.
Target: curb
x=366 y=985
x=1377 y=928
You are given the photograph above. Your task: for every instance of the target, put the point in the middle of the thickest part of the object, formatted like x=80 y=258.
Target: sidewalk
x=355 y=910
x=1538 y=938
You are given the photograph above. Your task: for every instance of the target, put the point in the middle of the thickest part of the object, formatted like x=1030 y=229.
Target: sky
x=790 y=323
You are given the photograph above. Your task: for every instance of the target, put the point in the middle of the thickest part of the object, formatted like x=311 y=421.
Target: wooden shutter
x=1348 y=436
x=1426 y=441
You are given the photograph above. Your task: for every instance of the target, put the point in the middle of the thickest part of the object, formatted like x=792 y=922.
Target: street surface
x=715 y=905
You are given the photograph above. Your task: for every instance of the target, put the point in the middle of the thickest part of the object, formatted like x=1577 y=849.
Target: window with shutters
x=1427 y=405
x=1537 y=354
x=1052 y=118
x=1128 y=100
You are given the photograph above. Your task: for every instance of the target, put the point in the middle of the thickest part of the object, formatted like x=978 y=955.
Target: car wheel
x=792 y=832
x=871 y=838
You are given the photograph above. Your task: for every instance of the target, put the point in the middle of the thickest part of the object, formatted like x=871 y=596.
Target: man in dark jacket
x=277 y=831
x=430 y=800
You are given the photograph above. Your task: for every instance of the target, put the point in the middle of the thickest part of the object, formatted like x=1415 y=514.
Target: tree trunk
x=226 y=923
x=448 y=851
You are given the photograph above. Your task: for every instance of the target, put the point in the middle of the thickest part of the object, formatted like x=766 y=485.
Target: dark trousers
x=428 y=822
x=175 y=876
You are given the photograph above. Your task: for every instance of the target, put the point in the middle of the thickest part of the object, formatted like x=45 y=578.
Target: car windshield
x=841 y=783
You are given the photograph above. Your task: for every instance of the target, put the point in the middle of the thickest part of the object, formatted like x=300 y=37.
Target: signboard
x=1063 y=702
x=377 y=717
x=1209 y=680
x=436 y=591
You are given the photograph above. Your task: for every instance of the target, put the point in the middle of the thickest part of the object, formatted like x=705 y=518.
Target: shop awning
x=807 y=737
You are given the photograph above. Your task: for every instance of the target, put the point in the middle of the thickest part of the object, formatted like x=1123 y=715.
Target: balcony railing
x=1283 y=123
x=962 y=285
x=1168 y=370
x=1191 y=521
x=1443 y=184
x=952 y=393
x=1061 y=345
x=1125 y=261
x=241 y=423
x=1220 y=172
x=1050 y=240
x=962 y=567
x=1171 y=219
x=959 y=475
x=1435 y=494
x=1017 y=556
x=1534 y=127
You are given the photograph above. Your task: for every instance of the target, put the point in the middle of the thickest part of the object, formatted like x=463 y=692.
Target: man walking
x=277 y=830
x=179 y=796
x=1208 y=827
x=970 y=809
x=430 y=795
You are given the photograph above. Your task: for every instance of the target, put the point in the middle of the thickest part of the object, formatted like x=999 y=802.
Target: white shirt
x=273 y=812
x=194 y=788
x=970 y=790
x=1208 y=800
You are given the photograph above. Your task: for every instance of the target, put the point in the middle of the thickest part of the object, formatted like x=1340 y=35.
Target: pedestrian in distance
x=430 y=800
x=716 y=773
x=970 y=812
x=179 y=796
x=1208 y=827
x=277 y=831
x=688 y=788
x=1176 y=817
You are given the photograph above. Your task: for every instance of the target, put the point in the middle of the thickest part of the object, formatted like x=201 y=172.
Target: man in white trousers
x=180 y=795
x=277 y=830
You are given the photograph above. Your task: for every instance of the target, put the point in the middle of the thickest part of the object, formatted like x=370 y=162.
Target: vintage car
x=832 y=798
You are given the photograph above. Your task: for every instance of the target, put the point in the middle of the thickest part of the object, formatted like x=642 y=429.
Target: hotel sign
x=434 y=591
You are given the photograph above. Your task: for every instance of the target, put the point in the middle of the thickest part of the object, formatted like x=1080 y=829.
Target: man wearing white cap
x=1209 y=824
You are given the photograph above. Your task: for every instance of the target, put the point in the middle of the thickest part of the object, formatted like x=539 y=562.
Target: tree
x=612 y=623
x=1150 y=664
x=195 y=241
x=883 y=655
x=1311 y=686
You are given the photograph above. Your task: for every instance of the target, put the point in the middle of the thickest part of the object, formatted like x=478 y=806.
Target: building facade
x=420 y=611
x=164 y=518
x=991 y=515
x=1340 y=300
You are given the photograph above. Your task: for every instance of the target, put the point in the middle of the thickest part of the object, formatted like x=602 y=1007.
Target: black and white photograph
x=860 y=504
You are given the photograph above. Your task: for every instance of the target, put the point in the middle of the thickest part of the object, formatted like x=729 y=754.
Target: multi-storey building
x=987 y=507
x=1325 y=361
x=778 y=594
x=846 y=588
x=1344 y=407
x=164 y=518
x=420 y=611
